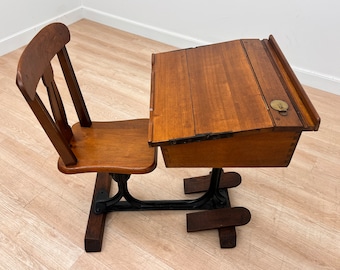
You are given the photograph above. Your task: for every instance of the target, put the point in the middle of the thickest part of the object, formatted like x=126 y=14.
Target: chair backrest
x=35 y=64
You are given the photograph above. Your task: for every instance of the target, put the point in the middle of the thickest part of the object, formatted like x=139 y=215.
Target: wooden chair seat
x=119 y=147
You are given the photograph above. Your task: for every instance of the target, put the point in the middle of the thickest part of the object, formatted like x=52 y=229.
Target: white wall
x=21 y=19
x=306 y=30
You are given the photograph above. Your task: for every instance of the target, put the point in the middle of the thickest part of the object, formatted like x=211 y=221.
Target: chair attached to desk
x=114 y=150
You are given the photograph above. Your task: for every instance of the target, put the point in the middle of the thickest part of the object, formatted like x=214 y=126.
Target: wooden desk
x=233 y=104
x=211 y=106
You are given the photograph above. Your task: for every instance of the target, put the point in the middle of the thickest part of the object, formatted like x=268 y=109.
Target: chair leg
x=96 y=223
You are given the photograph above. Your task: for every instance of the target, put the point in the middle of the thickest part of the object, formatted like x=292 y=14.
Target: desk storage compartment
x=261 y=149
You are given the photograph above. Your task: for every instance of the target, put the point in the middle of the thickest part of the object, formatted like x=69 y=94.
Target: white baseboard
x=21 y=38
x=317 y=80
x=148 y=31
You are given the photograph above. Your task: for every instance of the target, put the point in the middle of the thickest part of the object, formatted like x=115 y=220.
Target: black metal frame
x=214 y=198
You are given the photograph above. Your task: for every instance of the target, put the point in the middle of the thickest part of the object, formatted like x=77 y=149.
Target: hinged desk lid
x=221 y=89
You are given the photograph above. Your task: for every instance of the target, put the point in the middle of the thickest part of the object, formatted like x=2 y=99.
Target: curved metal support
x=212 y=199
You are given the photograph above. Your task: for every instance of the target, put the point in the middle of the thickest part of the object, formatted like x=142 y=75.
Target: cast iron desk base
x=220 y=214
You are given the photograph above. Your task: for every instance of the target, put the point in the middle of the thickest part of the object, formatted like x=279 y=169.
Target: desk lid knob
x=280 y=106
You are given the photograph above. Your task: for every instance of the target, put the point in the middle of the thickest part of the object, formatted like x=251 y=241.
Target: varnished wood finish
x=96 y=223
x=210 y=106
x=116 y=147
x=254 y=149
x=227 y=234
x=103 y=147
x=41 y=50
x=311 y=118
x=295 y=210
x=225 y=217
x=119 y=147
x=201 y=184
x=227 y=237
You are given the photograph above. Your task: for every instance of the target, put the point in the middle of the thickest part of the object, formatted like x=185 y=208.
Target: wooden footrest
x=224 y=219
x=217 y=218
x=201 y=183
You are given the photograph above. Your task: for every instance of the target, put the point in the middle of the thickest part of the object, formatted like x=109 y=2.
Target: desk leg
x=224 y=219
x=227 y=237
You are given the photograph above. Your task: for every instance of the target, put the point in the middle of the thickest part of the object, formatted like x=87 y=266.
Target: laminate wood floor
x=295 y=210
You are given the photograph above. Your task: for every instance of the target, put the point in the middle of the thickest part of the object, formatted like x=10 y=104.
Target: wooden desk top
x=218 y=90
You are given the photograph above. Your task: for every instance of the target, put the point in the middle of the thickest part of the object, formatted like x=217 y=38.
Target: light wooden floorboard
x=295 y=210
